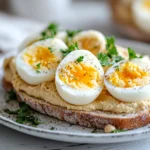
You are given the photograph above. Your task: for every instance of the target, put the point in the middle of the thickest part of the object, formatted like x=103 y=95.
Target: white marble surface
x=13 y=140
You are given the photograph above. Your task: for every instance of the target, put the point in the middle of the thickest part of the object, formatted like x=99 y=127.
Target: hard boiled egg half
x=129 y=81
x=141 y=14
x=91 y=40
x=79 y=78
x=29 y=40
x=38 y=62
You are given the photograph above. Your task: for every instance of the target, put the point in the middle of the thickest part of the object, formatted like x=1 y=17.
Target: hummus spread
x=48 y=93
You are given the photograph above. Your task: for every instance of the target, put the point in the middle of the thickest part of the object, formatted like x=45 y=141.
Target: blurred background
x=19 y=18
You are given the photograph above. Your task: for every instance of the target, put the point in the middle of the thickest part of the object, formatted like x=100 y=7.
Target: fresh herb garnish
x=38 y=65
x=94 y=131
x=117 y=68
x=117 y=131
x=72 y=47
x=51 y=49
x=11 y=96
x=37 y=71
x=72 y=33
x=80 y=59
x=112 y=56
x=52 y=128
x=24 y=115
x=50 y=31
x=104 y=59
x=132 y=54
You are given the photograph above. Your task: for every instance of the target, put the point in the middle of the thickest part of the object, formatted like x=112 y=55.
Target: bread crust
x=93 y=119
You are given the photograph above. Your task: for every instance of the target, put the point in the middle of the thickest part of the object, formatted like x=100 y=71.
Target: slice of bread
x=93 y=119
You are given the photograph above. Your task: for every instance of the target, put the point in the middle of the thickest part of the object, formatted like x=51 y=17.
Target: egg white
x=28 y=73
x=141 y=15
x=34 y=37
x=131 y=94
x=79 y=96
x=91 y=33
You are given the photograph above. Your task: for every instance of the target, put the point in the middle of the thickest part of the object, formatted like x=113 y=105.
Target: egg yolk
x=89 y=43
x=129 y=75
x=146 y=4
x=79 y=75
x=40 y=55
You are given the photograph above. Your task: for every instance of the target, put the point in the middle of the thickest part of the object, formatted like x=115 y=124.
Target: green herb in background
x=50 y=31
x=72 y=47
x=80 y=59
x=132 y=54
x=24 y=115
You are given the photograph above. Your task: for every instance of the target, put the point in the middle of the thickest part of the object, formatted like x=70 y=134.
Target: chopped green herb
x=11 y=96
x=24 y=115
x=117 y=68
x=50 y=31
x=104 y=59
x=37 y=71
x=52 y=128
x=51 y=49
x=72 y=33
x=117 y=131
x=80 y=59
x=132 y=54
x=94 y=131
x=72 y=47
x=38 y=65
x=112 y=56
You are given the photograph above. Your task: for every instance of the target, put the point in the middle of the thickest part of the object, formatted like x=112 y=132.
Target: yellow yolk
x=91 y=44
x=40 y=55
x=146 y=4
x=79 y=75
x=129 y=75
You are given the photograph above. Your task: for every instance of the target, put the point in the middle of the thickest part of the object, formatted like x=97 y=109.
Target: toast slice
x=92 y=119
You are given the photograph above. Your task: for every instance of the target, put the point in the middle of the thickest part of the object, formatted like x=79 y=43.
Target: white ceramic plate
x=72 y=133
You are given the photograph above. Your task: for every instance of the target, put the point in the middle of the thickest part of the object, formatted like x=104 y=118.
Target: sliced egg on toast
x=129 y=81
x=79 y=78
x=91 y=40
x=37 y=63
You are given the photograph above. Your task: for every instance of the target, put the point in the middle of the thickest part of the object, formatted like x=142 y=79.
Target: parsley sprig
x=117 y=131
x=80 y=59
x=50 y=31
x=72 y=33
x=51 y=49
x=111 y=56
x=72 y=47
x=24 y=115
x=132 y=54
x=38 y=66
